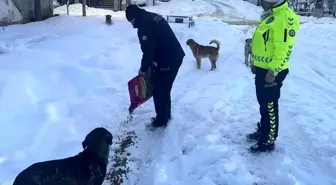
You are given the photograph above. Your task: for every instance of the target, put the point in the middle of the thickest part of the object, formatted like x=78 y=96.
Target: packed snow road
x=231 y=10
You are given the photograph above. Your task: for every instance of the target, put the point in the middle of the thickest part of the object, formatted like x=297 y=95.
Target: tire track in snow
x=218 y=13
x=227 y=18
x=224 y=4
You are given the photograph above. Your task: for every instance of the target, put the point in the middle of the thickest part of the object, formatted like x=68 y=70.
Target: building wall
x=256 y=2
x=29 y=11
x=26 y=8
x=9 y=14
x=47 y=9
x=331 y=5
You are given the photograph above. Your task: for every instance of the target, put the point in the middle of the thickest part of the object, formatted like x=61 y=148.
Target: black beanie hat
x=132 y=11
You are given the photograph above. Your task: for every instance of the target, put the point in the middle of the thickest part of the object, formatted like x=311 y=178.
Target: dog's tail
x=216 y=42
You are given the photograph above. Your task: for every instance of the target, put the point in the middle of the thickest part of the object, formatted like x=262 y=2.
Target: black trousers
x=163 y=79
x=268 y=95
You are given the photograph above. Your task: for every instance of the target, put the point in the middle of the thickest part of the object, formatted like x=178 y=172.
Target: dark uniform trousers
x=268 y=95
x=163 y=79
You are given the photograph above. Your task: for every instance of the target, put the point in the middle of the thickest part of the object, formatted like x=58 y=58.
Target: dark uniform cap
x=132 y=11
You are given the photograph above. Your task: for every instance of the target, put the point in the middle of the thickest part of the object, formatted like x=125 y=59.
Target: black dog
x=86 y=168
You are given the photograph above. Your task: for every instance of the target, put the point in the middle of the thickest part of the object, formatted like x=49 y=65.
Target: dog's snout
x=109 y=142
x=188 y=42
x=109 y=139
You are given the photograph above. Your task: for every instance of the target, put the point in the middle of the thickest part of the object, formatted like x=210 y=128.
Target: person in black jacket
x=162 y=52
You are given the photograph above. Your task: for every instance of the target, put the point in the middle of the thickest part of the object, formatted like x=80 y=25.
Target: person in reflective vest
x=272 y=45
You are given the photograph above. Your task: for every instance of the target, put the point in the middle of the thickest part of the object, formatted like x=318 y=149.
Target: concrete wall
x=26 y=8
x=331 y=5
x=24 y=11
x=256 y=2
x=30 y=9
x=47 y=9
x=9 y=14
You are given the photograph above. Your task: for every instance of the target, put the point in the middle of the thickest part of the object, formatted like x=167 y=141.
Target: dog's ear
x=86 y=140
x=248 y=40
x=84 y=144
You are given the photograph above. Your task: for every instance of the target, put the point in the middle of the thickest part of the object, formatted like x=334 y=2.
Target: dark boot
x=262 y=147
x=154 y=118
x=159 y=122
x=256 y=136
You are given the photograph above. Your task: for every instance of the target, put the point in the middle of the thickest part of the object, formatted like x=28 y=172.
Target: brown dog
x=200 y=51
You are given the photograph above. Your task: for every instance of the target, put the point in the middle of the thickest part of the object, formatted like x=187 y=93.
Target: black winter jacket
x=158 y=42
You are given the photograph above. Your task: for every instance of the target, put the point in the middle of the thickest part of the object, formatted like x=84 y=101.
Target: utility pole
x=117 y=5
x=150 y=3
x=38 y=10
x=123 y=4
x=67 y=5
x=84 y=7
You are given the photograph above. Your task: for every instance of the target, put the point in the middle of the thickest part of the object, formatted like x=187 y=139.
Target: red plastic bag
x=140 y=90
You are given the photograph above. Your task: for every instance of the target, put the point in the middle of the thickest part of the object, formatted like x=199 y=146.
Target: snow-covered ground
x=173 y=7
x=237 y=10
x=62 y=77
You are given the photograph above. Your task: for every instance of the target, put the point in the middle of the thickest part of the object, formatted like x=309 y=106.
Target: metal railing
x=316 y=8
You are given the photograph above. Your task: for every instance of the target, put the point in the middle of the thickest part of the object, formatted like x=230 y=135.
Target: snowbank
x=9 y=13
x=51 y=85
x=76 y=9
x=182 y=7
x=322 y=20
x=173 y=7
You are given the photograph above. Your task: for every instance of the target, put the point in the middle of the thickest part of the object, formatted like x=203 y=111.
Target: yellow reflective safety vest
x=274 y=38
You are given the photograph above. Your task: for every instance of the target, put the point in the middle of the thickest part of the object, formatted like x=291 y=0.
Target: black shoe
x=256 y=136
x=154 y=118
x=159 y=123
x=262 y=147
